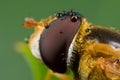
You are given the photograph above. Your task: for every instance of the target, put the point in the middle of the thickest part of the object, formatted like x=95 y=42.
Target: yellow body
x=98 y=60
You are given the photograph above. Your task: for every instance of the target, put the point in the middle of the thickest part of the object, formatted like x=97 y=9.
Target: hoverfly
x=68 y=40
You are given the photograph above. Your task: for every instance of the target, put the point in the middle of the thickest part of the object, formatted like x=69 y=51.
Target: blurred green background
x=13 y=12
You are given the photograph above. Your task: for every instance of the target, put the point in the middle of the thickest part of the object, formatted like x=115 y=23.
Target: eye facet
x=74 y=18
x=55 y=40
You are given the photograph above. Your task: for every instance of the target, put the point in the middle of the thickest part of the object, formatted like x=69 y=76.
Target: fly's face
x=92 y=52
x=56 y=39
x=52 y=42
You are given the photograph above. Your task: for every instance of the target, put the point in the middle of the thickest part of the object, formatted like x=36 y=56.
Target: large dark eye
x=56 y=39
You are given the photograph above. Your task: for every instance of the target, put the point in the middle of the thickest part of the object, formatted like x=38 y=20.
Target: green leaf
x=39 y=70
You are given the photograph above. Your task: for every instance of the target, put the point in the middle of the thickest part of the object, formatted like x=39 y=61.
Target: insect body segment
x=98 y=49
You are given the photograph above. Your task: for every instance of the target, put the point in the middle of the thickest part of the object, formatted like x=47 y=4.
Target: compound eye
x=56 y=39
